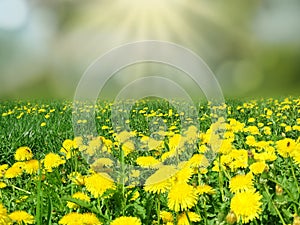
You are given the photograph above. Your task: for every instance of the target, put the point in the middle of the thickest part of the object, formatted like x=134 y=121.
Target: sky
x=252 y=48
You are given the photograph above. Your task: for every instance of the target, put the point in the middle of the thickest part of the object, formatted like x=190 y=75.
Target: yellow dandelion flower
x=184 y=174
x=75 y=218
x=126 y=220
x=296 y=155
x=15 y=170
x=128 y=147
x=52 y=160
x=252 y=130
x=72 y=218
x=3 y=168
x=183 y=220
x=181 y=197
x=31 y=166
x=2 y=184
x=68 y=147
x=23 y=153
x=166 y=216
x=198 y=160
x=239 y=159
x=241 y=182
x=77 y=141
x=90 y=219
x=204 y=189
x=251 y=120
x=148 y=162
x=246 y=205
x=123 y=136
x=160 y=181
x=101 y=164
x=258 y=167
x=21 y=217
x=4 y=218
x=80 y=196
x=98 y=183
x=68 y=144
x=286 y=147
x=76 y=178
x=250 y=140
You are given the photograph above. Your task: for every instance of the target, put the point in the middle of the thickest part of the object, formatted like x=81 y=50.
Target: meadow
x=240 y=169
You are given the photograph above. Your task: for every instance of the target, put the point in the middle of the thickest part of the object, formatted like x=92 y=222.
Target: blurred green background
x=253 y=47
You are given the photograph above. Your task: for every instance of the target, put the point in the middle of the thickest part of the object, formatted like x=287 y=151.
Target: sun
x=146 y=4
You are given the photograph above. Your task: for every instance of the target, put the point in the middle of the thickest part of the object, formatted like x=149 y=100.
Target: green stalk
x=275 y=207
x=286 y=190
x=39 y=197
x=20 y=189
x=123 y=182
x=205 y=212
x=158 y=209
x=294 y=176
x=221 y=180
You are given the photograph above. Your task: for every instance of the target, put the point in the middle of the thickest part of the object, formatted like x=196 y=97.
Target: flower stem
x=158 y=208
x=294 y=176
x=275 y=207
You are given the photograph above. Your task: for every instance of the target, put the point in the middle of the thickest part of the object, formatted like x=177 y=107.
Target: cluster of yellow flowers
x=18 y=217
x=234 y=163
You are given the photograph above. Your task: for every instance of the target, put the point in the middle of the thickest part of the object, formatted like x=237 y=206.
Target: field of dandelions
x=240 y=169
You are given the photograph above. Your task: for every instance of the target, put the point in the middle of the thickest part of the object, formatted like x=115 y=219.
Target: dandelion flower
x=184 y=220
x=31 y=166
x=67 y=148
x=258 y=167
x=181 y=197
x=286 y=147
x=241 y=182
x=90 y=219
x=76 y=178
x=128 y=147
x=148 y=162
x=160 y=181
x=15 y=170
x=2 y=184
x=3 y=168
x=239 y=159
x=102 y=164
x=23 y=153
x=21 y=217
x=184 y=174
x=246 y=205
x=4 y=219
x=126 y=220
x=166 y=216
x=75 y=218
x=78 y=195
x=98 y=183
x=204 y=189
x=52 y=160
x=72 y=218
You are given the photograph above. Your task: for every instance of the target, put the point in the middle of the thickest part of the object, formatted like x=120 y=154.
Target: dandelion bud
x=267 y=168
x=231 y=218
x=278 y=190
